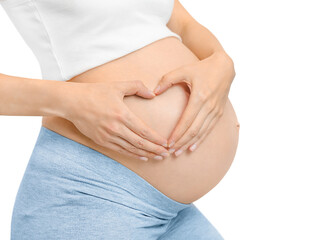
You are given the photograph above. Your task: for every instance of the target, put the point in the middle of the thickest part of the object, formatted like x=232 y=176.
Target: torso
x=189 y=176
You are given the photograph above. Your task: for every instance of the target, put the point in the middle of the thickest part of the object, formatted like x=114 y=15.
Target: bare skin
x=112 y=109
x=184 y=178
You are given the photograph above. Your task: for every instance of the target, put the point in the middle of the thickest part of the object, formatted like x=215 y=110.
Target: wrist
x=224 y=61
x=59 y=99
x=67 y=99
x=219 y=56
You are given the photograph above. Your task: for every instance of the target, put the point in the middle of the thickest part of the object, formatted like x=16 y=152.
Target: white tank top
x=69 y=37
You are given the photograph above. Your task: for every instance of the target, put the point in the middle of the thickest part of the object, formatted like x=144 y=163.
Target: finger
x=201 y=136
x=123 y=151
x=139 y=127
x=142 y=143
x=202 y=120
x=193 y=144
x=211 y=125
x=171 y=78
x=136 y=87
x=131 y=148
x=188 y=116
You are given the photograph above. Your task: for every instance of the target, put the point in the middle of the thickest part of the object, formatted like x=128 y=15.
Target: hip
x=70 y=191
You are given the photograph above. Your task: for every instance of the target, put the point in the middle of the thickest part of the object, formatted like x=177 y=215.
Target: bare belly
x=191 y=175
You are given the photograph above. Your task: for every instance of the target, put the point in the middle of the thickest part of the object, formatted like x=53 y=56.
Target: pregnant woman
x=137 y=123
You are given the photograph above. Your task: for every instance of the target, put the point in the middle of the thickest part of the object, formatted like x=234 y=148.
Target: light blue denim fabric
x=70 y=191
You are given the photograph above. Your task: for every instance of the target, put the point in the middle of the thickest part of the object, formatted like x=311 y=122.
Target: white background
x=275 y=188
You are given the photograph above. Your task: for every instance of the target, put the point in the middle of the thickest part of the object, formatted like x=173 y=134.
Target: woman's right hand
x=98 y=111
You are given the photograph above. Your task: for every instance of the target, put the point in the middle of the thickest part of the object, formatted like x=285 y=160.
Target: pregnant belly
x=189 y=176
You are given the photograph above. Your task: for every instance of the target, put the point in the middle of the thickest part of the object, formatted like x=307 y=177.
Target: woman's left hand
x=209 y=82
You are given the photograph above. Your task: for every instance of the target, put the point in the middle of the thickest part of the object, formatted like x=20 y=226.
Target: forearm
x=200 y=40
x=32 y=97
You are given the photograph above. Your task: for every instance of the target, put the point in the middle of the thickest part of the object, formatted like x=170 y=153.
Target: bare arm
x=96 y=109
x=32 y=97
x=209 y=81
x=194 y=35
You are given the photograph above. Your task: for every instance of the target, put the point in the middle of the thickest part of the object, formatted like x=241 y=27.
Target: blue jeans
x=70 y=191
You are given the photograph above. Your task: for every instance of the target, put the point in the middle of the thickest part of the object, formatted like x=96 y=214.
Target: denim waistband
x=124 y=185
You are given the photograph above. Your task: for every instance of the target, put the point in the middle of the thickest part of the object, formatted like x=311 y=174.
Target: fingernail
x=144 y=158
x=193 y=147
x=177 y=153
x=157 y=89
x=165 y=145
x=158 y=157
x=171 y=144
x=171 y=150
x=165 y=154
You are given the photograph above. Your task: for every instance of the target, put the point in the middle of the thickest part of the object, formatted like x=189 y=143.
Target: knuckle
x=199 y=136
x=109 y=146
x=120 y=150
x=200 y=97
x=99 y=141
x=220 y=113
x=118 y=112
x=120 y=117
x=107 y=139
x=211 y=106
x=188 y=123
x=102 y=139
x=195 y=137
x=210 y=128
x=140 y=143
x=144 y=133
x=200 y=139
x=194 y=133
x=157 y=150
x=133 y=149
x=113 y=129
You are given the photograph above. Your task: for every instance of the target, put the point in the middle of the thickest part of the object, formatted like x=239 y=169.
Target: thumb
x=137 y=87
x=171 y=78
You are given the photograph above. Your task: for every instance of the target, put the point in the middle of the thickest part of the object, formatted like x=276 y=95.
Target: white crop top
x=69 y=37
